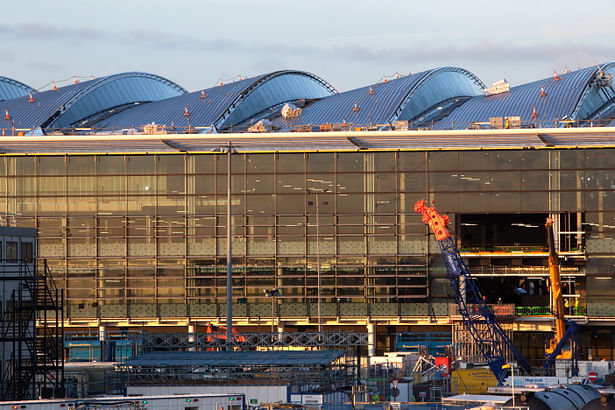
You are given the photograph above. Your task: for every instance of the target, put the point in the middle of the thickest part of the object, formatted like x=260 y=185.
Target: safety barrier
x=546 y=311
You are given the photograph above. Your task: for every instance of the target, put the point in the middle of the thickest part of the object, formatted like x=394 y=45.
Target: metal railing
x=119 y=346
x=546 y=311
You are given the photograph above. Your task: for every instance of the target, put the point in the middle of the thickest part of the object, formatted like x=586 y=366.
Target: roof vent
x=263 y=125
x=290 y=111
x=603 y=79
x=499 y=87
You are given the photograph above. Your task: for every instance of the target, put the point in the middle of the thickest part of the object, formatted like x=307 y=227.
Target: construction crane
x=478 y=319
x=562 y=345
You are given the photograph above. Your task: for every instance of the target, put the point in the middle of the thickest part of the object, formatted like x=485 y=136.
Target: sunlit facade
x=125 y=179
x=139 y=239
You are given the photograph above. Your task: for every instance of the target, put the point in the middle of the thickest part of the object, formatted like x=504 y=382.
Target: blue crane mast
x=478 y=319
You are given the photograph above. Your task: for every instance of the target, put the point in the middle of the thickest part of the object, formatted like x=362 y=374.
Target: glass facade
x=149 y=231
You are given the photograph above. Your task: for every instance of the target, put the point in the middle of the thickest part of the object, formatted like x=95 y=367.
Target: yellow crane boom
x=556 y=296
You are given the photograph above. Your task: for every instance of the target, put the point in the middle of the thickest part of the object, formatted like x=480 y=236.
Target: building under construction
x=137 y=188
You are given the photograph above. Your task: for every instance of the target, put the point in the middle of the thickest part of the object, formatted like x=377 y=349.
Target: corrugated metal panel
x=379 y=104
x=371 y=108
x=223 y=105
x=597 y=101
x=31 y=115
x=67 y=105
x=10 y=88
x=245 y=358
x=275 y=90
x=170 y=112
x=561 y=98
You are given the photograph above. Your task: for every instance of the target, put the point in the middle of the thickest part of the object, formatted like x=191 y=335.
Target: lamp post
x=317 y=257
x=273 y=294
x=511 y=366
x=229 y=252
x=229 y=249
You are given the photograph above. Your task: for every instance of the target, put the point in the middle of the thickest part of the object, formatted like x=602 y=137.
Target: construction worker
x=566 y=306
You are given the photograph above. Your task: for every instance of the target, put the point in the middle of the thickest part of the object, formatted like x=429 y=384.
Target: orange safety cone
x=6 y=115
x=555 y=77
x=396 y=75
x=203 y=95
x=355 y=108
x=371 y=91
x=54 y=85
x=187 y=113
x=344 y=123
x=220 y=82
x=566 y=71
x=534 y=115
x=31 y=99
x=542 y=91
x=240 y=77
x=75 y=79
x=384 y=79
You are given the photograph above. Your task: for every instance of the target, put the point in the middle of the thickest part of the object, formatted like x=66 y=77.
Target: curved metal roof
x=68 y=106
x=10 y=88
x=599 y=95
x=226 y=105
x=577 y=96
x=404 y=98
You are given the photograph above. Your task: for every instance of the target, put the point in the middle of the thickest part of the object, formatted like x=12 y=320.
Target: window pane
x=11 y=251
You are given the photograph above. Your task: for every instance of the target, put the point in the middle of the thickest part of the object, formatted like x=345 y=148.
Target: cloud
x=479 y=52
x=155 y=40
x=166 y=41
x=45 y=65
x=7 y=55
x=50 y=32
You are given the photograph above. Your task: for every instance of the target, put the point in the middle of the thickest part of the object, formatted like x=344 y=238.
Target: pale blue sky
x=348 y=43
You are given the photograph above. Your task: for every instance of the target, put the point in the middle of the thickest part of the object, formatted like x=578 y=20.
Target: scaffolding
x=307 y=371
x=248 y=341
x=32 y=363
x=467 y=350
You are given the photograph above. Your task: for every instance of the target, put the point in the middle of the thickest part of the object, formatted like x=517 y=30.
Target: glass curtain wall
x=151 y=229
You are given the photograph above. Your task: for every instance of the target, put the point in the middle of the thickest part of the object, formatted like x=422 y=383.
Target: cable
x=71 y=78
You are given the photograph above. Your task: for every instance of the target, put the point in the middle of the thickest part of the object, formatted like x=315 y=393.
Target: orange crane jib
x=436 y=221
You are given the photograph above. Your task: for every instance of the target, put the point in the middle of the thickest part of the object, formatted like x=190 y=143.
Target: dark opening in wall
x=502 y=231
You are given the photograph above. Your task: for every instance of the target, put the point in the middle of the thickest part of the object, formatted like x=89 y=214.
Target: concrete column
x=191 y=335
x=102 y=337
x=371 y=340
x=101 y=333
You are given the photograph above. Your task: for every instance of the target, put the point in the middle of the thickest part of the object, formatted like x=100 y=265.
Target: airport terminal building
x=125 y=178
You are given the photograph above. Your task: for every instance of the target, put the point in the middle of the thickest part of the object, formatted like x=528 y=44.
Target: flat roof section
x=601 y=137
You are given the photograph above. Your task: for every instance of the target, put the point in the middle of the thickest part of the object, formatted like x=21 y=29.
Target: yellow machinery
x=472 y=381
x=556 y=298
